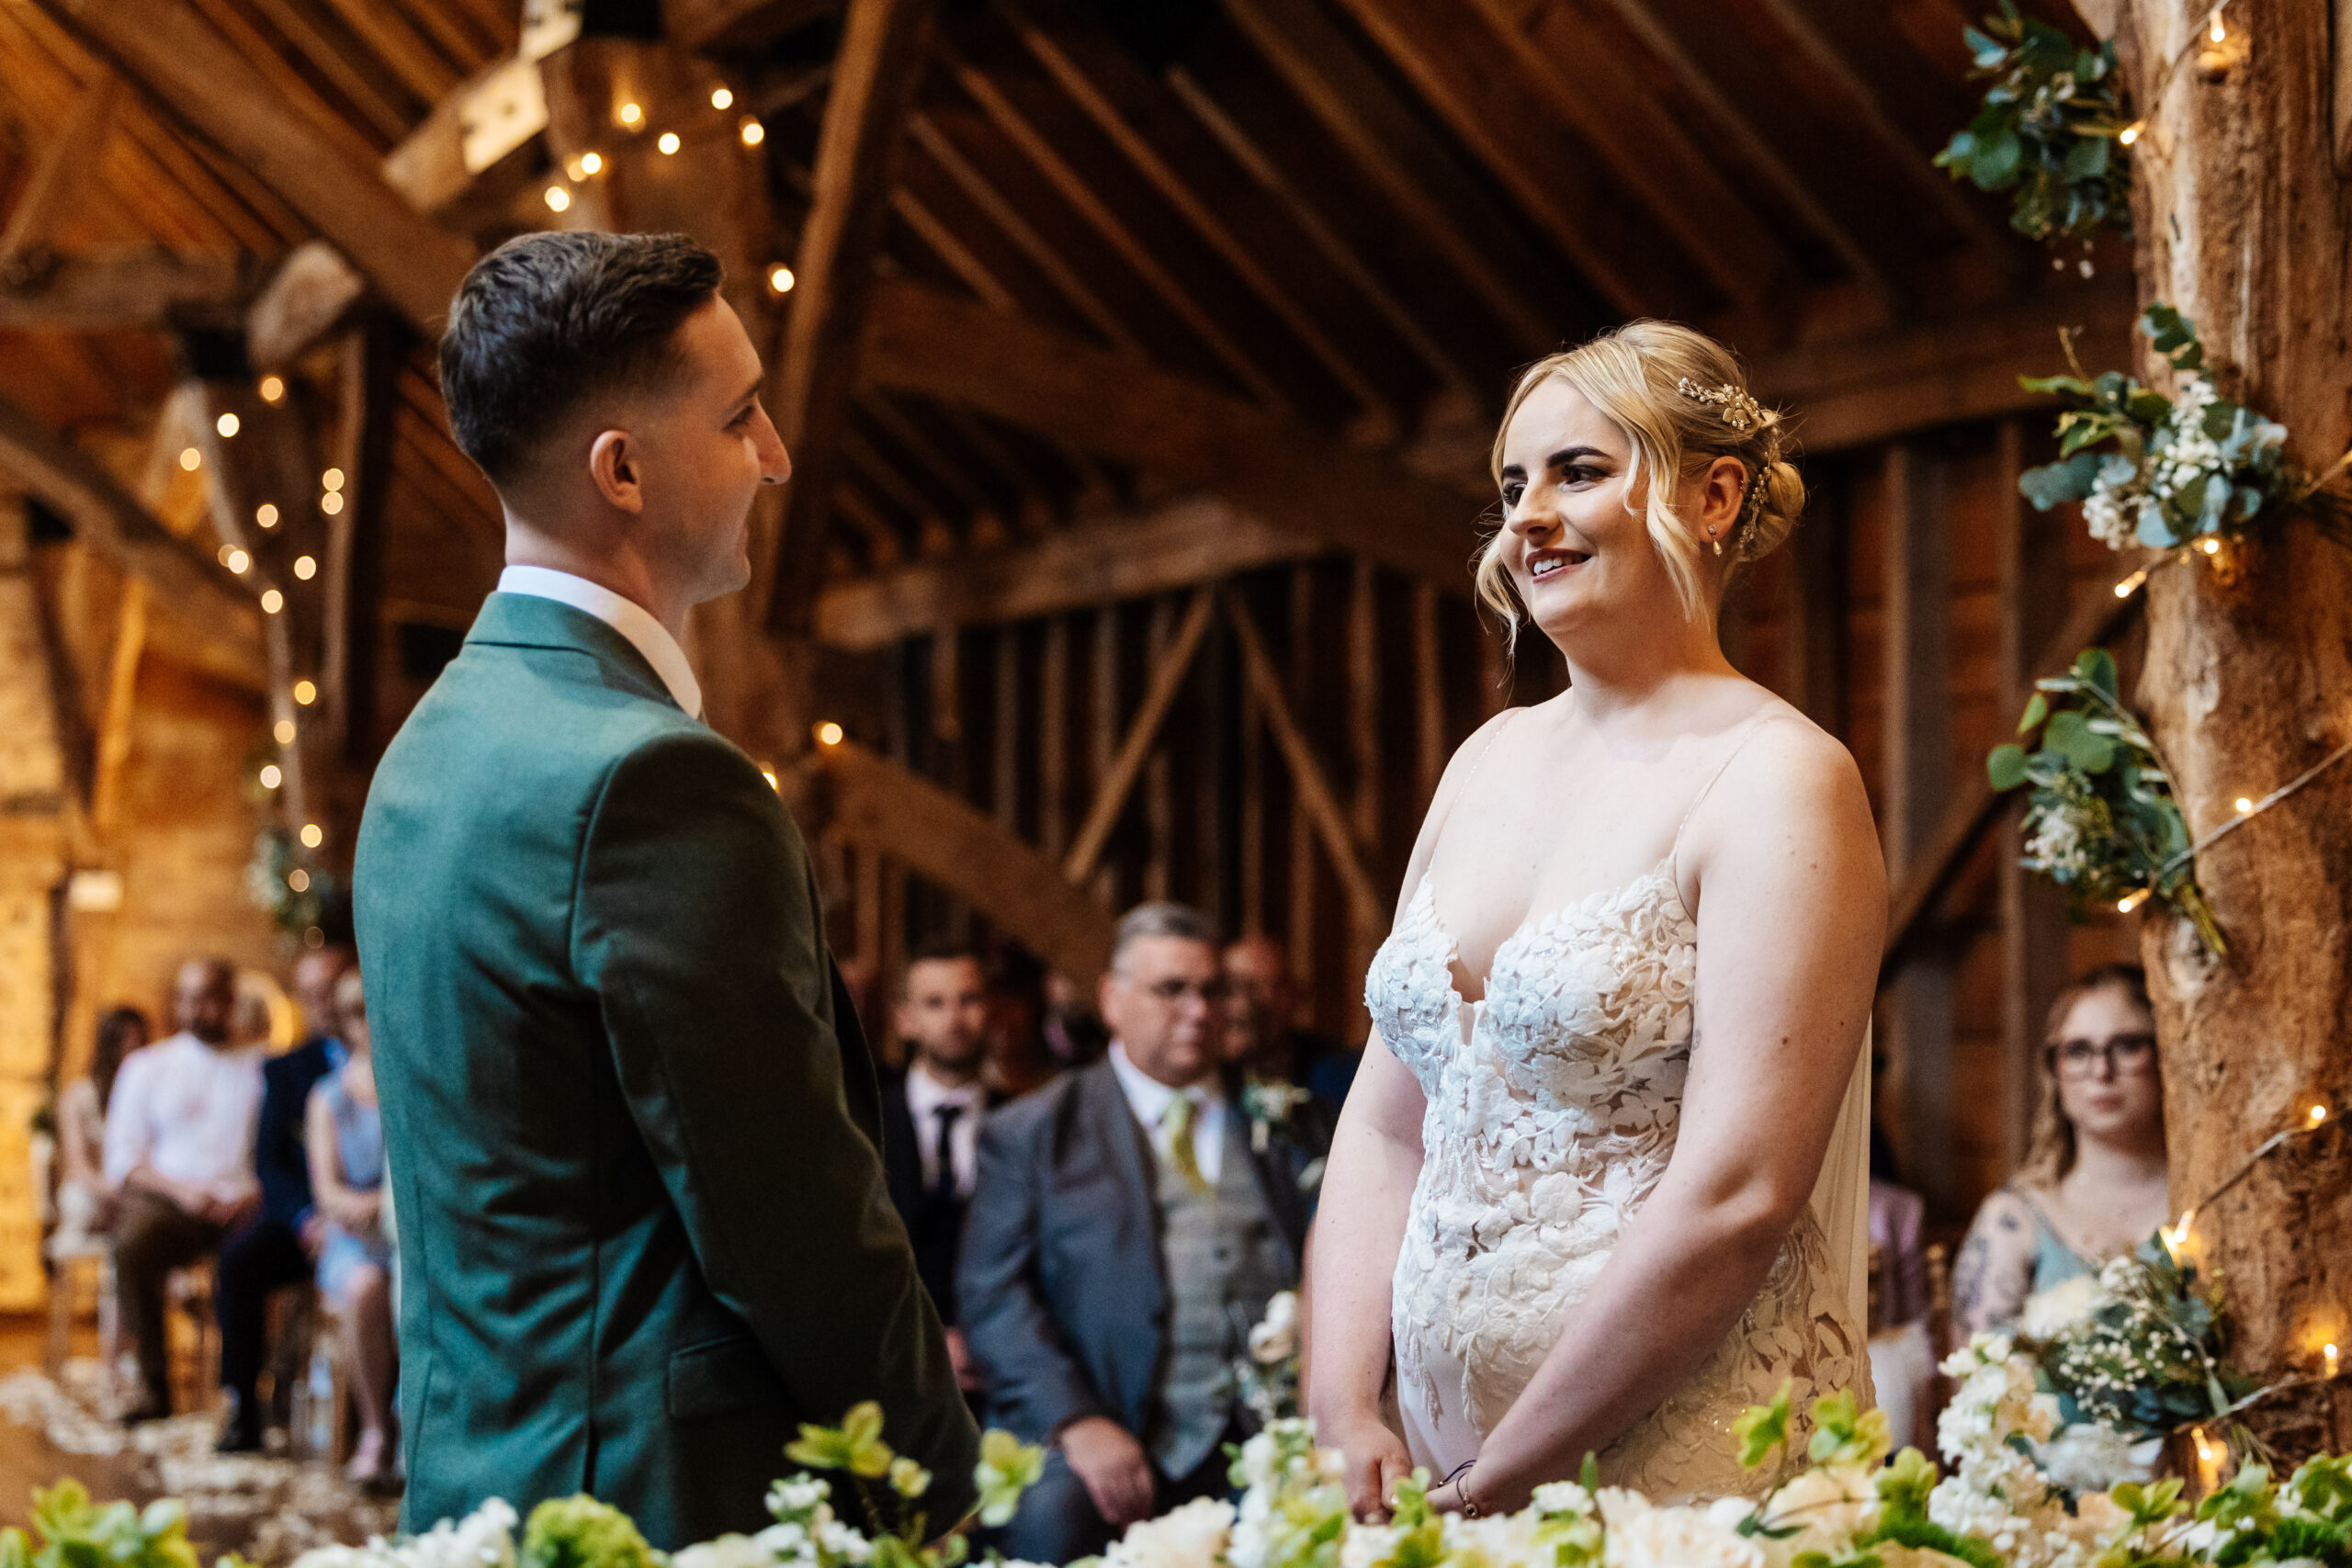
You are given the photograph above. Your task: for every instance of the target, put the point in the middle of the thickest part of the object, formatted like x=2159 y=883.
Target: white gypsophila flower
x=1364 y=1546
x=838 y=1539
x=1275 y=1337
x=788 y=1543
x=2057 y=840
x=2064 y=1306
x=2089 y=1457
x=727 y=1551
x=1561 y=1498
x=1675 y=1538
x=1194 y=1536
x=2109 y=517
x=803 y=1491
x=1499 y=1540
x=483 y=1539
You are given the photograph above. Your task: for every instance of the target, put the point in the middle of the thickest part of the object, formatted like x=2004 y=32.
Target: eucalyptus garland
x=2172 y=471
x=2051 y=129
x=2101 y=821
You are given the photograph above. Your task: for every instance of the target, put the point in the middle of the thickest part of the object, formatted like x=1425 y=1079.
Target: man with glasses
x=1131 y=1222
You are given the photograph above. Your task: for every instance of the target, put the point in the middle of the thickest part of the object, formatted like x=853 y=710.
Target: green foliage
x=1842 y=1437
x=2049 y=130
x=2146 y=1359
x=1760 y=1429
x=581 y=1532
x=1007 y=1467
x=2102 y=820
x=78 y=1533
x=854 y=1445
x=2170 y=470
x=1923 y=1534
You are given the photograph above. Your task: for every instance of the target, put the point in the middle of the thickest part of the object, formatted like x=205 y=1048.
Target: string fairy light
x=299 y=880
x=669 y=142
x=306 y=693
x=331 y=502
x=828 y=734
x=754 y=133
x=191 y=459
x=227 y=425
x=720 y=98
x=271 y=601
x=271 y=776
x=265 y=515
x=591 y=163
x=284 y=731
x=306 y=567
x=631 y=113
x=558 y=198
x=312 y=836
x=273 y=388
x=780 y=278
x=330 y=480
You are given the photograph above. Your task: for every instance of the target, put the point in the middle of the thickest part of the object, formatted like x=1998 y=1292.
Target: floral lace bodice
x=1553 y=1107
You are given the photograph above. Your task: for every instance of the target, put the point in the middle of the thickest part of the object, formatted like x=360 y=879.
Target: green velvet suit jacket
x=629 y=1120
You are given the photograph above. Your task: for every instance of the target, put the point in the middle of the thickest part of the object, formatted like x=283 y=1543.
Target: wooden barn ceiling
x=1155 y=288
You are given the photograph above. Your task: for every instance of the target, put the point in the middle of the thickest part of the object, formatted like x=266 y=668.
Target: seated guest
x=1128 y=1229
x=1019 y=1057
x=180 y=1149
x=1259 y=1035
x=345 y=1140
x=277 y=1246
x=86 y=1199
x=2093 y=1184
x=930 y=1120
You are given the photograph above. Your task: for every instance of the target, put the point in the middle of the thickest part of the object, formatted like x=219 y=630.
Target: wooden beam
x=1757 y=151
x=113 y=750
x=735 y=26
x=166 y=47
x=1177 y=545
x=2097 y=618
x=1858 y=392
x=1418 y=171
x=1367 y=911
x=352 y=626
x=478 y=148
x=1118 y=779
x=312 y=294
x=919 y=339
x=61 y=174
x=1657 y=156
x=149 y=290
x=879 y=806
x=1488 y=98
x=875 y=74
x=215 y=609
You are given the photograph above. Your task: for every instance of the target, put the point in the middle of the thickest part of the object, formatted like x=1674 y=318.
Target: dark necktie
x=943 y=1181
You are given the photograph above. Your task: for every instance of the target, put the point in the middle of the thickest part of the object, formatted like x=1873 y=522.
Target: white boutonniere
x=1268 y=1103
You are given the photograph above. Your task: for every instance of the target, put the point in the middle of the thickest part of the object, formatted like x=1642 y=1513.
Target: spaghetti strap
x=1674 y=856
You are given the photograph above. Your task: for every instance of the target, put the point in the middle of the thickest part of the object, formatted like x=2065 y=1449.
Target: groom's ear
x=612 y=459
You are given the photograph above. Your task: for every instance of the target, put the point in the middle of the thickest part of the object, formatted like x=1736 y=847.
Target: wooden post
x=354 y=582
x=1117 y=772
x=2032 y=564
x=1430 y=736
x=1815 y=613
x=1916 y=747
x=1300 y=838
x=1251 y=762
x=1158 y=802
x=1004 y=789
x=1053 y=738
x=1102 y=737
x=2242 y=223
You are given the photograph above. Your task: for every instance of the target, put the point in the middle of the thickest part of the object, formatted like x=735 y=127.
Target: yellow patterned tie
x=1178 y=1118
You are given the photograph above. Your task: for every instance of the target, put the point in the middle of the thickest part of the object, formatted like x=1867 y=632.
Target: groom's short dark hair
x=547 y=321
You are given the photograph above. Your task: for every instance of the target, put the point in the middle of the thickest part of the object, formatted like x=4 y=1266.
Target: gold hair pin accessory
x=1739 y=411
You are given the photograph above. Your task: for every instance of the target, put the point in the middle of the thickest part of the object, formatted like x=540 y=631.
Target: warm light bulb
x=780 y=278
x=2318 y=1114
x=2218 y=33
x=306 y=693
x=330 y=480
x=271 y=601
x=668 y=143
x=2123 y=590
x=237 y=561
x=226 y=424
x=754 y=133
x=2327 y=1355
x=558 y=198
x=270 y=775
x=265 y=515
x=306 y=567
x=2132 y=900
x=2177 y=1236
x=828 y=734
x=331 y=502
x=769 y=774
x=2211 y=546
x=299 y=880
x=631 y=113
x=592 y=162
x=191 y=459
x=722 y=98
x=272 y=388
x=312 y=837
x=2244 y=806
x=284 y=731
x=2131 y=133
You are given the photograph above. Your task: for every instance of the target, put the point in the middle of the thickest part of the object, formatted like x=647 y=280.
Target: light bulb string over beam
x=2200 y=38
x=2241 y=818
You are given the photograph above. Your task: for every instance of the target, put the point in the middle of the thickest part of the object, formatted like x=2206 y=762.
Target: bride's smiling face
x=1573 y=539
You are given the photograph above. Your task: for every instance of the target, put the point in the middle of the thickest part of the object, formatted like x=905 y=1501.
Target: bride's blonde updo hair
x=1683 y=399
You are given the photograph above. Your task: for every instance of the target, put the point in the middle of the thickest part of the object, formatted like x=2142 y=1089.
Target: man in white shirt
x=931 y=1119
x=180 y=1146
x=1131 y=1222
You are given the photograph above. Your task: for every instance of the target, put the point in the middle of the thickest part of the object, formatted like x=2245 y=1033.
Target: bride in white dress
x=1579 y=1201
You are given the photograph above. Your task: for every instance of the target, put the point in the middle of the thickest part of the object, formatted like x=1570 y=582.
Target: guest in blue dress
x=2093 y=1184
x=345 y=1140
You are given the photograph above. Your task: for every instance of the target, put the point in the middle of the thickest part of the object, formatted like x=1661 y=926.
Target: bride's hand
x=1376 y=1462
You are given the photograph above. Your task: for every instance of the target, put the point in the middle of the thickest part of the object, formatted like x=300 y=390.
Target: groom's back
x=545 y=1266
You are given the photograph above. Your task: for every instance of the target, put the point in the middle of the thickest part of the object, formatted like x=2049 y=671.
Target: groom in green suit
x=630 y=1118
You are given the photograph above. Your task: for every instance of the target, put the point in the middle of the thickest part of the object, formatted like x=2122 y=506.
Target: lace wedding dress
x=1553 y=1108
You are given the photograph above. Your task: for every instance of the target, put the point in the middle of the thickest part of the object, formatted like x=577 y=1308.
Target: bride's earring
x=1719 y=544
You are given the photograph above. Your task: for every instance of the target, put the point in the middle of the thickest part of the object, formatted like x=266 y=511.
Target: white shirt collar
x=925 y=1093
x=632 y=620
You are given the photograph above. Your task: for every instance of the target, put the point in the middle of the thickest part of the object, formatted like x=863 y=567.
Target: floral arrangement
x=1268 y=1104
x=1266 y=1375
x=2135 y=1349
x=2102 y=820
x=2052 y=129
x=75 y=1531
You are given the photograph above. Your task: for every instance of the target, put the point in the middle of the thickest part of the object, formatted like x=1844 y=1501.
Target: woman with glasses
x=2092 y=1186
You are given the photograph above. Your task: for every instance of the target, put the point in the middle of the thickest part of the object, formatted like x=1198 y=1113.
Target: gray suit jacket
x=630 y=1123
x=1062 y=1292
